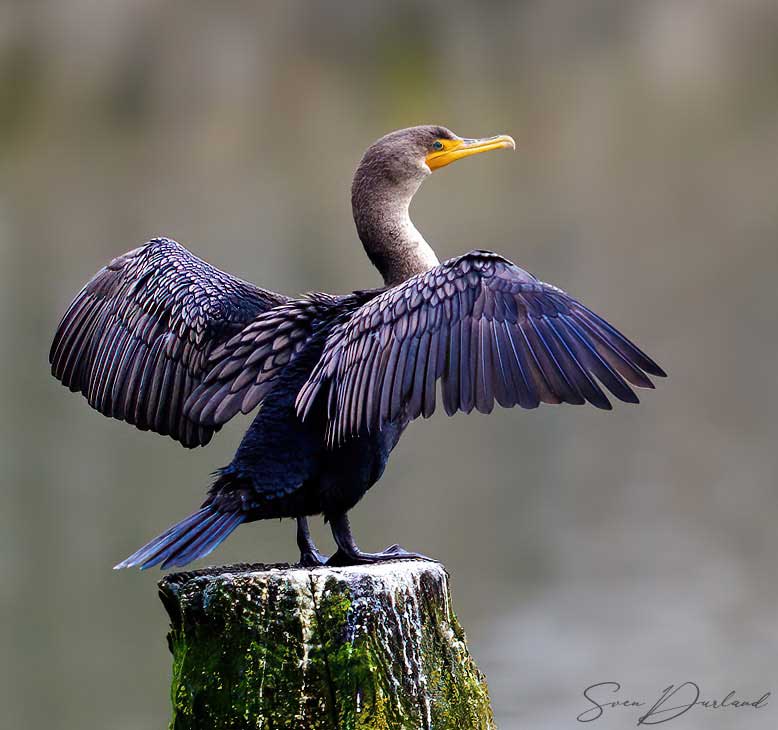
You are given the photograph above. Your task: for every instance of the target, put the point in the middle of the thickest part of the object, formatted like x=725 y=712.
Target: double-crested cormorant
x=164 y=341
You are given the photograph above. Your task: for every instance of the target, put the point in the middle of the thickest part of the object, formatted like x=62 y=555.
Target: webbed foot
x=357 y=557
x=349 y=554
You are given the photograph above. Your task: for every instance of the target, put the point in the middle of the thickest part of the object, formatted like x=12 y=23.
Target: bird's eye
x=437 y=145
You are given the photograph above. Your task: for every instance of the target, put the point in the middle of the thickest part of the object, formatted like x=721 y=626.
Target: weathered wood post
x=374 y=648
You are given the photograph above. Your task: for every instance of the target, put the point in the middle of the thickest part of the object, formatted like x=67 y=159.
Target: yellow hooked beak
x=452 y=150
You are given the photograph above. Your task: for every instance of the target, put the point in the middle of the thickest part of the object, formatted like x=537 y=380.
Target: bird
x=166 y=342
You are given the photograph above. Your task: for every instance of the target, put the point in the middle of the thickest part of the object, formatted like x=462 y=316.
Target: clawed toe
x=394 y=552
x=341 y=559
x=312 y=559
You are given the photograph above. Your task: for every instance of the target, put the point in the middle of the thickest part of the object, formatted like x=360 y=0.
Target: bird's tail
x=192 y=538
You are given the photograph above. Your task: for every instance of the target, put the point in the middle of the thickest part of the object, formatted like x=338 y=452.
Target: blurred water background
x=637 y=546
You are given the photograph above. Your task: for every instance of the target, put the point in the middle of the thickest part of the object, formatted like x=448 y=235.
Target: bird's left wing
x=484 y=327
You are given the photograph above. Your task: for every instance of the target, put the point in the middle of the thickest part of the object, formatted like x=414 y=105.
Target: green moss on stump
x=361 y=648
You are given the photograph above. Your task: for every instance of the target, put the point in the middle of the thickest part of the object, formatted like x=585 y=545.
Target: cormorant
x=168 y=343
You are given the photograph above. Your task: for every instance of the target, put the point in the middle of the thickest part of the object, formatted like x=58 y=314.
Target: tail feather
x=158 y=543
x=171 y=550
x=207 y=542
x=194 y=537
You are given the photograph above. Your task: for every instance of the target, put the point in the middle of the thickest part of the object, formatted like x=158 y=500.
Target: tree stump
x=375 y=647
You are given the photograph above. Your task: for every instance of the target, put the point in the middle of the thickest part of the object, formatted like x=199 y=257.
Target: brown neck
x=391 y=241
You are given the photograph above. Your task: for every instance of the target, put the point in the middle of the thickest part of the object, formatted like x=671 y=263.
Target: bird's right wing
x=138 y=338
x=244 y=369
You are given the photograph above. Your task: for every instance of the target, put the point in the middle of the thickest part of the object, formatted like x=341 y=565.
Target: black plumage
x=488 y=331
x=136 y=340
x=168 y=343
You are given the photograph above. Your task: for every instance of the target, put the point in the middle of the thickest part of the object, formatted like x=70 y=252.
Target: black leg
x=349 y=554
x=310 y=557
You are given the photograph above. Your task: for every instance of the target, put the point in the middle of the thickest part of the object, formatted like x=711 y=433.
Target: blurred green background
x=636 y=546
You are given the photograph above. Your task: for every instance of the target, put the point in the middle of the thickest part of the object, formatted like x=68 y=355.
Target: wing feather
x=489 y=331
x=136 y=339
x=451 y=399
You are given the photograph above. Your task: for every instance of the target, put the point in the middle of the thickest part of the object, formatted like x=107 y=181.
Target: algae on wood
x=375 y=647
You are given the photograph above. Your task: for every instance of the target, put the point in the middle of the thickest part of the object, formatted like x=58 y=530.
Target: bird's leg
x=349 y=554
x=310 y=556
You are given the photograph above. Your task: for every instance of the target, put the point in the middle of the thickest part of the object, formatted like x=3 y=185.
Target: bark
x=375 y=647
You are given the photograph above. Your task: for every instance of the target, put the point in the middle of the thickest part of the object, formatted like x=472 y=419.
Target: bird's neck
x=384 y=225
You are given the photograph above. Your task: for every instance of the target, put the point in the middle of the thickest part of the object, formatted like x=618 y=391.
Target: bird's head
x=385 y=182
x=409 y=155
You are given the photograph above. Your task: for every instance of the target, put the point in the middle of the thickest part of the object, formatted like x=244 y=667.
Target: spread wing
x=488 y=331
x=243 y=370
x=137 y=339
